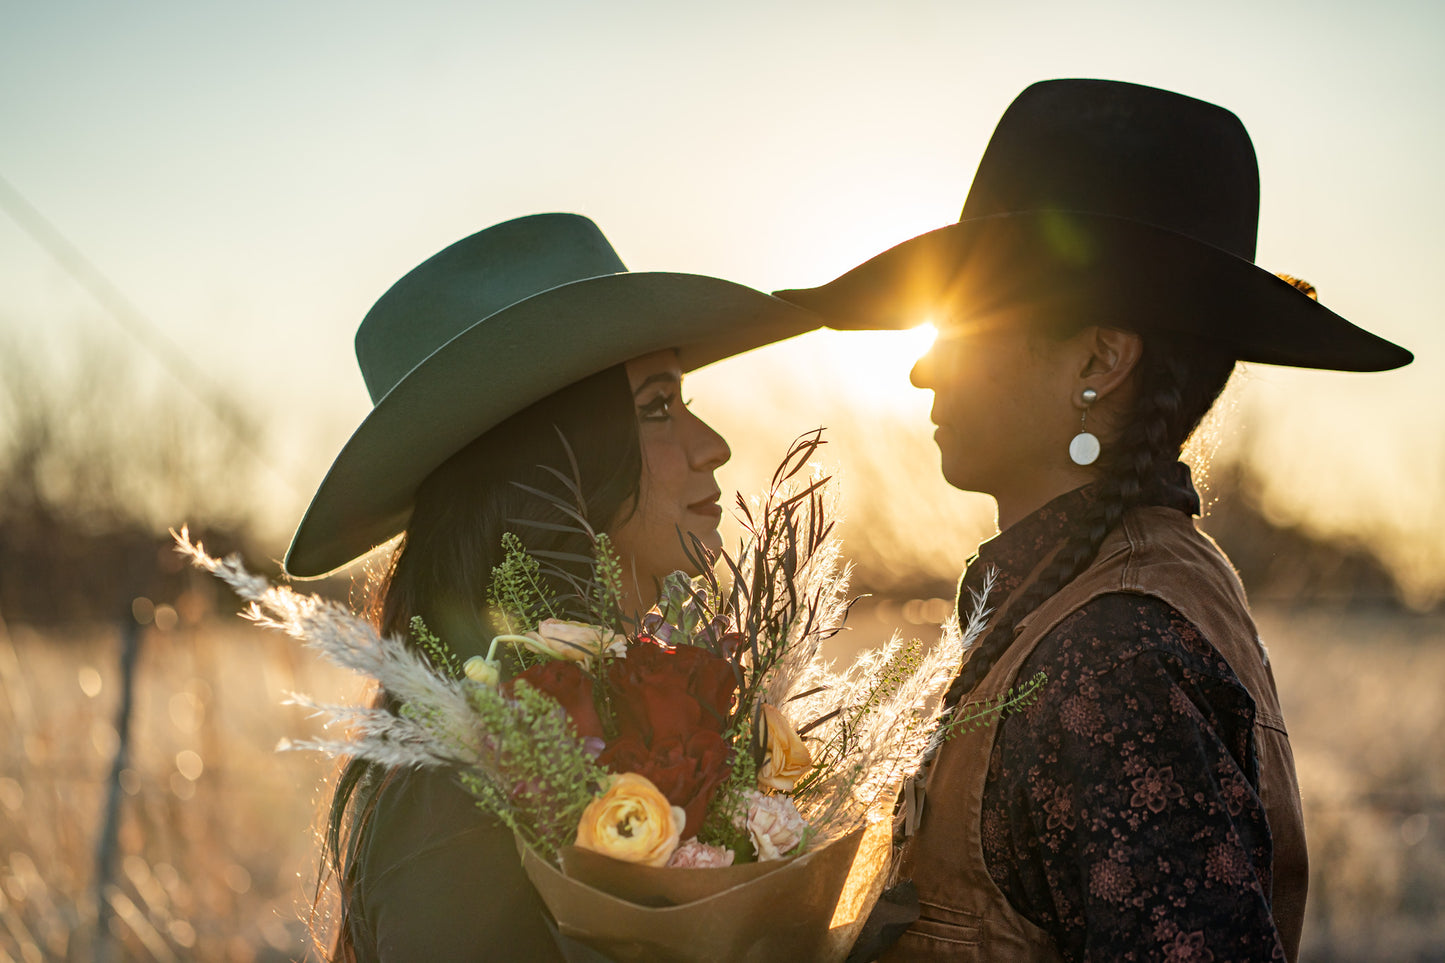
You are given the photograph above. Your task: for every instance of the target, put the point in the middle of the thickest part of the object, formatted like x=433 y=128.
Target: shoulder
x=441 y=879
x=427 y=793
x=1156 y=550
x=1112 y=631
x=1133 y=662
x=423 y=810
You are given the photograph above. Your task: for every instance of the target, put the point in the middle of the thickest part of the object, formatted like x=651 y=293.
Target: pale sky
x=252 y=176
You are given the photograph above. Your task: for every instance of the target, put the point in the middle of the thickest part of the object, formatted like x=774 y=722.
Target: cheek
x=664 y=474
x=975 y=391
x=990 y=405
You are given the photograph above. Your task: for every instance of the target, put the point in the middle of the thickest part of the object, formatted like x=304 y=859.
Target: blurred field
x=215 y=841
x=217 y=855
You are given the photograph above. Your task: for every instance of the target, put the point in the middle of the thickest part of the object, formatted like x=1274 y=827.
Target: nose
x=707 y=450
x=922 y=374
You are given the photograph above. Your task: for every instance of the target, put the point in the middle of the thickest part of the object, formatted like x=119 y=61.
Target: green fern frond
x=441 y=656
x=518 y=593
x=605 y=598
x=555 y=775
x=974 y=716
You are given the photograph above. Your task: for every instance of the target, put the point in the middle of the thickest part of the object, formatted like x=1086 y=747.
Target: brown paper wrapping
x=806 y=908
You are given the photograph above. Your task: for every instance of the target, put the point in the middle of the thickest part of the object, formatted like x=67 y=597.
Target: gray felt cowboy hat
x=491 y=324
x=1127 y=203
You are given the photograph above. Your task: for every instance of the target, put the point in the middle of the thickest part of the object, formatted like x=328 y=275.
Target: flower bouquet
x=697 y=785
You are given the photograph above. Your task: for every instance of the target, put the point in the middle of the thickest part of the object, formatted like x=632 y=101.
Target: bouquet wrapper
x=809 y=907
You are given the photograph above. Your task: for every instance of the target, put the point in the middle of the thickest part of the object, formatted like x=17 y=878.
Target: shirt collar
x=1015 y=552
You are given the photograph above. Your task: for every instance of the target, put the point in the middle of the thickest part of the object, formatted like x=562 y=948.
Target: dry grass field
x=216 y=847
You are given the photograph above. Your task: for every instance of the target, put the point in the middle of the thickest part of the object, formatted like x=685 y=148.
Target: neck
x=1024 y=496
x=638 y=595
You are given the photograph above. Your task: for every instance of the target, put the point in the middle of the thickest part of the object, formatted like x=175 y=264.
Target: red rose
x=670 y=692
x=687 y=773
x=571 y=687
x=671 y=706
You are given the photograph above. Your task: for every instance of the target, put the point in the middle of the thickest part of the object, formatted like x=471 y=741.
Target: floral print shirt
x=1121 y=813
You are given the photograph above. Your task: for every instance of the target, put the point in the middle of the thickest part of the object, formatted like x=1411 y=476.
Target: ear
x=1109 y=357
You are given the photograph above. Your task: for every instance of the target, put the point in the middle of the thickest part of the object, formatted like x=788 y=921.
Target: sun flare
x=872 y=367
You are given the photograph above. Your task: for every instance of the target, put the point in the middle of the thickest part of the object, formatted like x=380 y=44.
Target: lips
x=707 y=507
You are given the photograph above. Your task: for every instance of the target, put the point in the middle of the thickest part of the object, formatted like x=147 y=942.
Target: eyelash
x=658 y=409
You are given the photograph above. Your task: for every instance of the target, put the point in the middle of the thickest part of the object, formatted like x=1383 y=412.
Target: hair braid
x=1172 y=398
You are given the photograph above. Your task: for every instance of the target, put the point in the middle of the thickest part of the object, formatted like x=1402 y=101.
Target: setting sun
x=870 y=367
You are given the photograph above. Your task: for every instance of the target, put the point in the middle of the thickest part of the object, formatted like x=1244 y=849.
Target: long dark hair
x=1177 y=380
x=442 y=568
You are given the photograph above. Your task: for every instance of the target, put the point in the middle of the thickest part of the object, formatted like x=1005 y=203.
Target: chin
x=961 y=478
x=711 y=540
x=953 y=472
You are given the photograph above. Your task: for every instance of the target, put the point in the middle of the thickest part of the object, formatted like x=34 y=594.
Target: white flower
x=774 y=824
x=695 y=854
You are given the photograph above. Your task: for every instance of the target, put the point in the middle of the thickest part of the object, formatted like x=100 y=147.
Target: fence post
x=130 y=632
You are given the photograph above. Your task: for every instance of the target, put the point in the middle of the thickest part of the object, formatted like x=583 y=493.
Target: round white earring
x=1084 y=448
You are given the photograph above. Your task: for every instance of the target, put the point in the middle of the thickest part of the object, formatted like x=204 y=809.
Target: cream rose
x=785 y=758
x=575 y=641
x=632 y=821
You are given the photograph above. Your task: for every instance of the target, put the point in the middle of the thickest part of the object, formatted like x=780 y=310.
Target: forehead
x=659 y=365
x=973 y=332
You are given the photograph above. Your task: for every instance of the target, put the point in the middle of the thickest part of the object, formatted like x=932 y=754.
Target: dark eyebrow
x=666 y=376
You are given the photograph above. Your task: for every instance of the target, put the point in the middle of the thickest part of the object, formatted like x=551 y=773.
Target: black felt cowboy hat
x=1119 y=204
x=493 y=323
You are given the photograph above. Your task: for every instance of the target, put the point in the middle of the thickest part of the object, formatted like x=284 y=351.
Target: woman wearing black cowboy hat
x=522 y=351
x=1091 y=304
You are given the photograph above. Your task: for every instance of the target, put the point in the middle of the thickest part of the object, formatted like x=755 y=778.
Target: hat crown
x=471 y=280
x=1123 y=150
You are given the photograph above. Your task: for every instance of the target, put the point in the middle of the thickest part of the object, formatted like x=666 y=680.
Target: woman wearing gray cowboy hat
x=1091 y=304
x=523 y=350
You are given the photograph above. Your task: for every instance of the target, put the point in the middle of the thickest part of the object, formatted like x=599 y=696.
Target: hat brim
x=506 y=362
x=1115 y=269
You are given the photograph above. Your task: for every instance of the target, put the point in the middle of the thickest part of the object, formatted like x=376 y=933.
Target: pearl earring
x=1084 y=448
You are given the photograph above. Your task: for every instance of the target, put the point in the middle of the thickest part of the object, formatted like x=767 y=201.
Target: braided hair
x=1178 y=380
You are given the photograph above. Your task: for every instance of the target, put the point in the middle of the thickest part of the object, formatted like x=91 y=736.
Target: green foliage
x=441 y=656
x=719 y=827
x=895 y=672
x=448 y=737
x=518 y=594
x=604 y=594
x=804 y=841
x=976 y=715
x=553 y=777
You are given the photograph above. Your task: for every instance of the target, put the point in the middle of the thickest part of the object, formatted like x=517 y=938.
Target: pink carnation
x=699 y=855
x=774 y=824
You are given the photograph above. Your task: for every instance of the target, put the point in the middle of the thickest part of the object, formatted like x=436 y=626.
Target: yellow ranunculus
x=632 y=821
x=785 y=758
x=575 y=641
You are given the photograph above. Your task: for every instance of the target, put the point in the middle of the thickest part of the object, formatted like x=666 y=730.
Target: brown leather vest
x=1156 y=552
